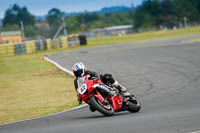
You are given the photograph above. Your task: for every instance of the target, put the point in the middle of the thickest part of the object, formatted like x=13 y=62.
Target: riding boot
x=132 y=98
x=121 y=88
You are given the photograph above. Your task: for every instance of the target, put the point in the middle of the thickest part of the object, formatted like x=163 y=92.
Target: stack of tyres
x=43 y=45
x=82 y=39
x=30 y=47
x=10 y=49
x=48 y=43
x=59 y=42
x=20 y=48
x=3 y=50
x=64 y=42
x=37 y=45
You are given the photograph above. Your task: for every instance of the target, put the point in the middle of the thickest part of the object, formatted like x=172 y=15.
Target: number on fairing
x=82 y=89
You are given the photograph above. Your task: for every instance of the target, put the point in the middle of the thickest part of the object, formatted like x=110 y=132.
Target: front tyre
x=105 y=109
x=133 y=106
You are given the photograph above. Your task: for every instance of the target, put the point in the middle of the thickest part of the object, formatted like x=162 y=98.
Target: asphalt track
x=164 y=75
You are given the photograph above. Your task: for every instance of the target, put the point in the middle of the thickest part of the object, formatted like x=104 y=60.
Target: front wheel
x=133 y=106
x=105 y=109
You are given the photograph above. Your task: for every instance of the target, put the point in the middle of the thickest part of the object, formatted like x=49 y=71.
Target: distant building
x=119 y=30
x=110 y=31
x=10 y=37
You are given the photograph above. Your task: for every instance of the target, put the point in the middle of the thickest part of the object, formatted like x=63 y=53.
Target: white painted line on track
x=66 y=71
x=59 y=66
x=79 y=107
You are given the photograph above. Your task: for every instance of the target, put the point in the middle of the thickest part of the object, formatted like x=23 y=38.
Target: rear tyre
x=105 y=109
x=133 y=106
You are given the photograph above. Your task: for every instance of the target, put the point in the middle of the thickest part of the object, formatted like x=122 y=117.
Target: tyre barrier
x=32 y=46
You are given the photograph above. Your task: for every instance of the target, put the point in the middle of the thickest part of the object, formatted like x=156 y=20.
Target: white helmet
x=79 y=69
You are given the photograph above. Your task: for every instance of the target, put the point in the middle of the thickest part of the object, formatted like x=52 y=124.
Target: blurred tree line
x=151 y=14
x=158 y=14
x=13 y=18
x=87 y=21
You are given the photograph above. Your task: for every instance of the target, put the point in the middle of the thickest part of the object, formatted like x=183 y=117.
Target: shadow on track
x=97 y=115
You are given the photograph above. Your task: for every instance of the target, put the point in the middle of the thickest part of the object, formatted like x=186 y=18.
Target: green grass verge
x=31 y=87
x=146 y=36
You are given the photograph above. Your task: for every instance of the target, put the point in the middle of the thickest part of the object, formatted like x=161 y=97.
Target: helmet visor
x=78 y=73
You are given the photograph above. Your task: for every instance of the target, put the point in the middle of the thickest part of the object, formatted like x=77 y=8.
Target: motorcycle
x=105 y=98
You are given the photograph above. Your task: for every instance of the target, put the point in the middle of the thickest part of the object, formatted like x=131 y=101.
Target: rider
x=80 y=70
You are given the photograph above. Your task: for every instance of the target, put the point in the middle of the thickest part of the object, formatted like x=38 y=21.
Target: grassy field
x=31 y=87
x=146 y=36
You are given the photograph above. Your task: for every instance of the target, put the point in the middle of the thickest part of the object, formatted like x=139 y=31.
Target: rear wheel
x=103 y=108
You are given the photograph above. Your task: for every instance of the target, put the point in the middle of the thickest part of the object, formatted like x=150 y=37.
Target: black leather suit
x=106 y=78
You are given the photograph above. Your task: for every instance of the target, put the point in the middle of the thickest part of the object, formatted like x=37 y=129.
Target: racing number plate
x=82 y=89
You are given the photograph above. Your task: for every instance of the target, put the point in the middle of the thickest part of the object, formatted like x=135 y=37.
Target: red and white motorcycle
x=105 y=98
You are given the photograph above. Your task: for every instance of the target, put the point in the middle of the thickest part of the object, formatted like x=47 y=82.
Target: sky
x=41 y=7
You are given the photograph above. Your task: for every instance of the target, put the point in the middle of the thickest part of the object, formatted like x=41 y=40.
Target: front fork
x=97 y=95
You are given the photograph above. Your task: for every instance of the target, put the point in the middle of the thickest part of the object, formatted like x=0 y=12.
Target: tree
x=54 y=19
x=30 y=31
x=147 y=15
x=25 y=16
x=148 y=22
x=166 y=13
x=186 y=8
x=10 y=18
x=9 y=27
x=15 y=14
x=168 y=18
x=72 y=25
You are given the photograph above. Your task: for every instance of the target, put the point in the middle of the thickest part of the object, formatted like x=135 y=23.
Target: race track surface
x=164 y=75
